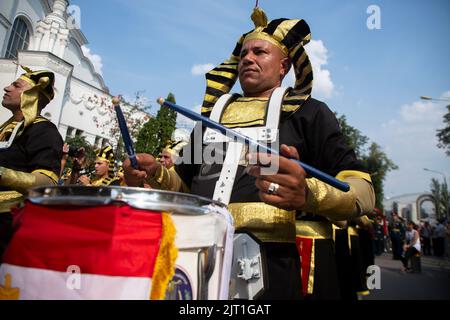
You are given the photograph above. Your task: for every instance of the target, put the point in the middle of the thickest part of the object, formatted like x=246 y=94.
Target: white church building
x=41 y=35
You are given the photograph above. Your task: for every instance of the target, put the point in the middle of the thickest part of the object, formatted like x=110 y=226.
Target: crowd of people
x=317 y=240
x=405 y=238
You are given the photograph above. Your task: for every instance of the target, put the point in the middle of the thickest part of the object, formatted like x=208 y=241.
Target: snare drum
x=77 y=242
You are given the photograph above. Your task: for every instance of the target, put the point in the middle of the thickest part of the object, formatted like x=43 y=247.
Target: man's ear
x=286 y=66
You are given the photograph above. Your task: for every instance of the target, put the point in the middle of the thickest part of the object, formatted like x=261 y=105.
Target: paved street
x=433 y=283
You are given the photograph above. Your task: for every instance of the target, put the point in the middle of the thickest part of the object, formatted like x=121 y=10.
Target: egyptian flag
x=103 y=252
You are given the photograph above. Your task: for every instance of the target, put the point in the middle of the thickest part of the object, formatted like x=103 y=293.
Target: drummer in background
x=267 y=205
x=31 y=146
x=169 y=177
x=104 y=170
x=165 y=158
x=170 y=153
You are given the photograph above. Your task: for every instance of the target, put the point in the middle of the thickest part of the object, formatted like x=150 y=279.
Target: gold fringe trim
x=165 y=261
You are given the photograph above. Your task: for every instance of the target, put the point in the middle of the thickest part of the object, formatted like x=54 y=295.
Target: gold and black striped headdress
x=288 y=35
x=107 y=154
x=43 y=79
x=41 y=83
x=174 y=147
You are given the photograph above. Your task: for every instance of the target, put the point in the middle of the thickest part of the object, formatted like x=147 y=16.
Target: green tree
x=444 y=134
x=354 y=138
x=378 y=164
x=442 y=198
x=167 y=119
x=147 y=140
x=376 y=161
x=155 y=134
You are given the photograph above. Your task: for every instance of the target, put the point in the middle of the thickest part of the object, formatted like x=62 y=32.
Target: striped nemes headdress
x=107 y=154
x=288 y=35
x=174 y=147
x=41 y=82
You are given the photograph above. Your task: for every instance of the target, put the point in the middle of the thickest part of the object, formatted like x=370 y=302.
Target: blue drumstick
x=125 y=133
x=224 y=130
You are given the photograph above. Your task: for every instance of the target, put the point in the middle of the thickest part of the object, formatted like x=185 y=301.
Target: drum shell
x=211 y=226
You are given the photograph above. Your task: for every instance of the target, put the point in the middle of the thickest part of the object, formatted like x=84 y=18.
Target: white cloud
x=446 y=95
x=201 y=69
x=409 y=139
x=420 y=112
x=318 y=54
x=95 y=59
x=415 y=125
x=323 y=86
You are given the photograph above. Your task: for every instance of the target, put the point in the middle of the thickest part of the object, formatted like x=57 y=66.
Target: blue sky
x=374 y=77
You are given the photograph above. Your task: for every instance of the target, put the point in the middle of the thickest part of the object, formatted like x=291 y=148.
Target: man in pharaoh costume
x=267 y=204
x=170 y=153
x=104 y=170
x=30 y=145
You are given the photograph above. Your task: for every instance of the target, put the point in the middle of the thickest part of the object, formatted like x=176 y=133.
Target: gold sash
x=267 y=223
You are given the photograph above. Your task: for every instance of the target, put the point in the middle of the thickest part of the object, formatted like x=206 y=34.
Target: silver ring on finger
x=273 y=188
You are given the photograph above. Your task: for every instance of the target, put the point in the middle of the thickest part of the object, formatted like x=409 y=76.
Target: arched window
x=19 y=38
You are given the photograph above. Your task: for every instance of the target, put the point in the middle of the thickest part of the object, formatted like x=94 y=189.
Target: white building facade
x=40 y=34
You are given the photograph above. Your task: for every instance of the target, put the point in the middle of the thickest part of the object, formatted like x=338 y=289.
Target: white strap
x=268 y=133
x=7 y=144
x=274 y=110
x=212 y=135
x=224 y=186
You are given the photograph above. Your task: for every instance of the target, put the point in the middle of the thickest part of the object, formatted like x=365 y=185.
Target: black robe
x=38 y=147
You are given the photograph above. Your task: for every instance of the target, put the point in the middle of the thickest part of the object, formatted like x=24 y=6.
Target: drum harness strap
x=263 y=134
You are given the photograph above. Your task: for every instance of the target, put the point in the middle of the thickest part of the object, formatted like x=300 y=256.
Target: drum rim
x=191 y=204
